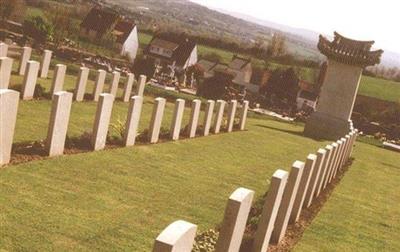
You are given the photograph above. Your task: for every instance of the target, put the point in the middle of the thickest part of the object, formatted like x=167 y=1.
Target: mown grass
x=363 y=213
x=380 y=88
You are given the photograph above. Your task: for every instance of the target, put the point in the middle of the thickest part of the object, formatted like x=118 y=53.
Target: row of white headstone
x=30 y=70
x=287 y=196
x=61 y=108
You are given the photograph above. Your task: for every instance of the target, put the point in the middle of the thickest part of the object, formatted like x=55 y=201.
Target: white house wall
x=131 y=45
x=192 y=60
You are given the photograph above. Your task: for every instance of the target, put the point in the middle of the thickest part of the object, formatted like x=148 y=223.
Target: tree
x=217 y=86
x=12 y=9
x=277 y=47
x=60 y=20
x=37 y=28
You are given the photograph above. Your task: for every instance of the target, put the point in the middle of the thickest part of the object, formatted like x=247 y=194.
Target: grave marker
x=269 y=211
x=5 y=72
x=114 y=84
x=80 y=86
x=132 y=120
x=8 y=113
x=141 y=85
x=243 y=115
x=208 y=117
x=288 y=197
x=45 y=63
x=102 y=121
x=321 y=154
x=99 y=84
x=58 y=79
x=156 y=119
x=219 y=115
x=177 y=119
x=58 y=126
x=235 y=218
x=177 y=237
x=194 y=117
x=128 y=87
x=231 y=114
x=30 y=79
x=25 y=56
x=3 y=49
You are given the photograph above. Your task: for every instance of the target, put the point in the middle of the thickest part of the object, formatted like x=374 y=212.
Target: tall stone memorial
x=346 y=60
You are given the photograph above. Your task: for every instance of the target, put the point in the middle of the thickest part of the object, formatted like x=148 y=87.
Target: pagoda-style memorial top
x=349 y=51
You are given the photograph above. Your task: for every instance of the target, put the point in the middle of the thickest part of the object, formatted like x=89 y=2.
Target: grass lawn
x=363 y=213
x=380 y=88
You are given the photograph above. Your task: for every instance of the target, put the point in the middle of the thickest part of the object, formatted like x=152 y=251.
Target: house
x=307 y=96
x=101 y=23
x=177 y=53
x=241 y=67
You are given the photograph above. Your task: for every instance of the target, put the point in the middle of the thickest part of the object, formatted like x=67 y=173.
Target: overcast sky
x=357 y=19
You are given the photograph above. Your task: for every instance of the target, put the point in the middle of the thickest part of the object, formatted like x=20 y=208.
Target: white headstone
x=314 y=177
x=80 y=86
x=243 y=115
x=208 y=117
x=25 y=57
x=3 y=49
x=58 y=79
x=194 y=117
x=130 y=78
x=102 y=121
x=5 y=72
x=177 y=237
x=99 y=84
x=288 y=197
x=324 y=168
x=235 y=219
x=8 y=113
x=30 y=79
x=269 y=211
x=219 y=115
x=114 y=84
x=58 y=124
x=132 y=120
x=177 y=119
x=156 y=119
x=141 y=85
x=231 y=114
x=45 y=63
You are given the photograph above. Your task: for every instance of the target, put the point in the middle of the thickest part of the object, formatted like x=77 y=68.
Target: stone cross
x=30 y=79
x=8 y=113
x=235 y=219
x=219 y=114
x=243 y=115
x=128 y=87
x=3 y=49
x=231 y=114
x=208 y=117
x=45 y=63
x=102 y=121
x=269 y=211
x=98 y=86
x=141 y=85
x=58 y=78
x=58 y=126
x=303 y=186
x=177 y=119
x=114 y=84
x=5 y=72
x=194 y=117
x=177 y=237
x=156 y=119
x=132 y=120
x=25 y=57
x=80 y=86
x=285 y=209
x=314 y=178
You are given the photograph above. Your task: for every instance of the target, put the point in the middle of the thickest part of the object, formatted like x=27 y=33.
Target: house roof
x=99 y=20
x=180 y=54
x=122 y=30
x=207 y=65
x=238 y=62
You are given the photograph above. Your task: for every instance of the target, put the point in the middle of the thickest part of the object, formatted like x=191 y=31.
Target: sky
x=356 y=19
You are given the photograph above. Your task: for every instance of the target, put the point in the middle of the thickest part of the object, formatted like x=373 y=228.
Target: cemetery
x=94 y=160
